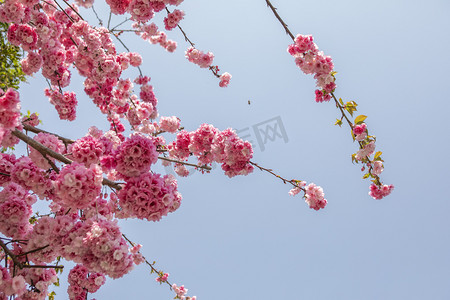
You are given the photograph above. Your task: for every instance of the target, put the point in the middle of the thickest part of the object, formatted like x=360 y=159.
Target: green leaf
x=51 y=296
x=378 y=154
x=359 y=119
x=366 y=175
x=338 y=122
x=341 y=102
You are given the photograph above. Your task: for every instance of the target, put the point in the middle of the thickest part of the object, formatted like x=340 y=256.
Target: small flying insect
x=248 y=102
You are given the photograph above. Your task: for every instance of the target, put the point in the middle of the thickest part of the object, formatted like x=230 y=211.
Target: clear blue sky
x=245 y=238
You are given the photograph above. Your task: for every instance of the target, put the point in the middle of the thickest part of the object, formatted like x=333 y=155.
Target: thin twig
x=274 y=10
x=126 y=20
x=185 y=163
x=96 y=15
x=146 y=261
x=294 y=182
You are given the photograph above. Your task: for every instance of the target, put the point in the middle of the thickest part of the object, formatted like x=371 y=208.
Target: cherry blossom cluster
x=375 y=165
x=57 y=40
x=314 y=195
x=379 y=192
x=173 y=18
x=14 y=281
x=7 y=162
x=76 y=186
x=32 y=63
x=209 y=144
x=65 y=104
x=25 y=173
x=181 y=292
x=149 y=196
x=10 y=286
x=135 y=156
x=89 y=150
x=139 y=7
x=312 y=61
x=51 y=142
x=198 y=57
x=15 y=210
x=9 y=112
x=225 y=79
x=169 y=124
x=149 y=32
x=81 y=282
x=99 y=246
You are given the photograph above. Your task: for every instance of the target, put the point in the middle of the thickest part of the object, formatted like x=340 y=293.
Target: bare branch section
x=208 y=168
x=274 y=10
x=294 y=182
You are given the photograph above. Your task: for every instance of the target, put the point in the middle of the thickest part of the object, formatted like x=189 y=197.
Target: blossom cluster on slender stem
x=312 y=61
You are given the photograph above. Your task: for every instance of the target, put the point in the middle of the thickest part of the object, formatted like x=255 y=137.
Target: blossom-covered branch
x=312 y=61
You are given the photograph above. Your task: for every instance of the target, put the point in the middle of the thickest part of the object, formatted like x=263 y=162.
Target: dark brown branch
x=293 y=182
x=274 y=10
x=185 y=163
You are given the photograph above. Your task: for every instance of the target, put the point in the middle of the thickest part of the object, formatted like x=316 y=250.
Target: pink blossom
x=149 y=196
x=135 y=156
x=77 y=186
x=300 y=186
x=359 y=129
x=118 y=7
x=201 y=143
x=97 y=243
x=18 y=285
x=315 y=197
x=311 y=61
x=88 y=150
x=32 y=63
x=225 y=79
x=51 y=142
x=305 y=43
x=366 y=151
x=141 y=10
x=377 y=168
x=181 y=170
x=204 y=60
x=65 y=103
x=379 y=192
x=32 y=119
x=9 y=109
x=173 y=18
x=23 y=35
x=233 y=153
x=180 y=147
x=27 y=174
x=169 y=124
x=163 y=277
x=7 y=162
